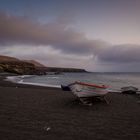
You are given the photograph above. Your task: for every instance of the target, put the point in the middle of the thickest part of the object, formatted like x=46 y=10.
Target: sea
x=115 y=81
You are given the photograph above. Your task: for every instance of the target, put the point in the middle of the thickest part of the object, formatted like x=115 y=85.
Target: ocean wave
x=53 y=77
x=40 y=84
x=17 y=79
x=20 y=80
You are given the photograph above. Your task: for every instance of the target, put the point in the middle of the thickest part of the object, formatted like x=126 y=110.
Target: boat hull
x=81 y=90
x=129 y=90
x=65 y=88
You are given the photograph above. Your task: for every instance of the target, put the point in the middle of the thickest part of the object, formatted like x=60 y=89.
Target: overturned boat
x=86 y=91
x=129 y=90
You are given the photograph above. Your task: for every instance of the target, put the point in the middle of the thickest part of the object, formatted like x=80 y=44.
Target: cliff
x=14 y=65
x=17 y=67
x=37 y=64
x=7 y=58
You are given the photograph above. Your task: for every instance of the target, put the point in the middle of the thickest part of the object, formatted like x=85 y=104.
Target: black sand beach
x=40 y=113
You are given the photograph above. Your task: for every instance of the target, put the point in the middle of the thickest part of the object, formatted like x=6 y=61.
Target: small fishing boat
x=86 y=91
x=129 y=90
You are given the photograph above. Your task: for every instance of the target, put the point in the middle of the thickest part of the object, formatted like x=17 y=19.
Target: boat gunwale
x=91 y=85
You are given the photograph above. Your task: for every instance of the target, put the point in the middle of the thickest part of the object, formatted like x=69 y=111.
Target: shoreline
x=4 y=82
x=35 y=112
x=13 y=78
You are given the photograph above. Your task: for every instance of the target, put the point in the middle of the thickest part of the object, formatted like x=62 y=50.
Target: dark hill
x=14 y=65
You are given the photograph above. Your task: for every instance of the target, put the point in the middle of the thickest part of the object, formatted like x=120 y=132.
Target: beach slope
x=39 y=113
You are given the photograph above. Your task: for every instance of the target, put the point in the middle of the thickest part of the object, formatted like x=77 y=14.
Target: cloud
x=59 y=34
x=58 y=43
x=125 y=53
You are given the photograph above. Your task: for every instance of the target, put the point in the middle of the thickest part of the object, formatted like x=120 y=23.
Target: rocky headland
x=23 y=67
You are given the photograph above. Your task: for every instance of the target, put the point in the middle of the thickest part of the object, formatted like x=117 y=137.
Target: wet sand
x=40 y=113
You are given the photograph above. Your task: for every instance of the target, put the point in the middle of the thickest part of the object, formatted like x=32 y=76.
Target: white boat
x=129 y=90
x=87 y=90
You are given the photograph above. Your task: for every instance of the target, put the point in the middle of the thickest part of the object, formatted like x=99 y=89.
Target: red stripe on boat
x=92 y=85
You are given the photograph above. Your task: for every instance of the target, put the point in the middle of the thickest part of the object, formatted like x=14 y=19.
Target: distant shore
x=30 y=112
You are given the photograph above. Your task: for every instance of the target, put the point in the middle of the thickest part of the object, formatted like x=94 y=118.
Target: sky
x=97 y=35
